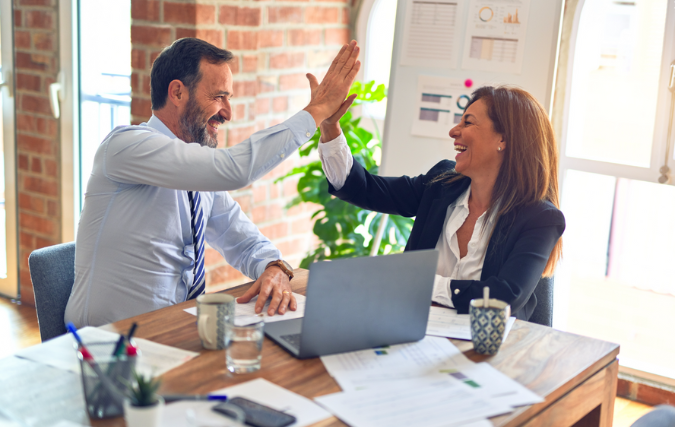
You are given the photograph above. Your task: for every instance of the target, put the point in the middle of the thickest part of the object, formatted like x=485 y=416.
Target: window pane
x=617 y=271
x=105 y=75
x=3 y=224
x=378 y=51
x=615 y=81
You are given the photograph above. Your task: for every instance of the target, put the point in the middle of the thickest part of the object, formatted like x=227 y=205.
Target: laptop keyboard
x=293 y=340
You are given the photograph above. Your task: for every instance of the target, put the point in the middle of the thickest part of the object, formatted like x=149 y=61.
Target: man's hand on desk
x=272 y=283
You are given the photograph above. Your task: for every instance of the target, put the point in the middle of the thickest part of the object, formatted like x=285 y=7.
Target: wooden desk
x=576 y=375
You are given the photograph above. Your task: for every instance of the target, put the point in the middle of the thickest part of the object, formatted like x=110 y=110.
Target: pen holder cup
x=488 y=324
x=105 y=379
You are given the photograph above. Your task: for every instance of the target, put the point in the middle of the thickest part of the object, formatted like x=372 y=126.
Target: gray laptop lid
x=359 y=303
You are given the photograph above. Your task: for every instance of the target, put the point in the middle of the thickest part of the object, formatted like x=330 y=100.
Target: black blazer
x=516 y=254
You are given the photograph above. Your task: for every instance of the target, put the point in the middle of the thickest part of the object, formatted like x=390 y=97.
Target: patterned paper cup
x=488 y=324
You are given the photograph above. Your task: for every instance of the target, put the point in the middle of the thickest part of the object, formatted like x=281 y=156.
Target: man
x=154 y=197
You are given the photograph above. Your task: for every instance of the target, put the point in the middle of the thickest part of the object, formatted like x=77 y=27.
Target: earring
x=499 y=148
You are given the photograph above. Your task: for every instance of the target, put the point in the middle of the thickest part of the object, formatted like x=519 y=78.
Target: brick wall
x=37 y=138
x=275 y=44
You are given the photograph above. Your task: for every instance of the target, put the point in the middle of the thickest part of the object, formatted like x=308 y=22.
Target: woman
x=492 y=213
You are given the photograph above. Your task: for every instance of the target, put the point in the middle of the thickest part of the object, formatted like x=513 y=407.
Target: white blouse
x=337 y=162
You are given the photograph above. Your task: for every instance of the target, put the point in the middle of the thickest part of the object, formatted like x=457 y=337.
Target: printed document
x=430 y=36
x=441 y=403
x=244 y=310
x=445 y=322
x=155 y=359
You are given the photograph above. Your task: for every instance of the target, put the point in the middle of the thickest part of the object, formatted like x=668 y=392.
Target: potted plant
x=143 y=406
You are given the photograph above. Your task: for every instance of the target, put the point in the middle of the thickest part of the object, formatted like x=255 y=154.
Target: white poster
x=495 y=35
x=430 y=36
x=440 y=105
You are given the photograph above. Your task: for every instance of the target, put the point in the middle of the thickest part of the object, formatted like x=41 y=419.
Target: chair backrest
x=52 y=270
x=543 y=312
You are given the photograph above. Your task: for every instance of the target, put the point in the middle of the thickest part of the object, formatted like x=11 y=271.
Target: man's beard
x=192 y=127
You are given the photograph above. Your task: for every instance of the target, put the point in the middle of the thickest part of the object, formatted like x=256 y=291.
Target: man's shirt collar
x=157 y=124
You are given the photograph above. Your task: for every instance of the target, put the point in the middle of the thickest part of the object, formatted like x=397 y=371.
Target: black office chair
x=52 y=271
x=543 y=312
x=661 y=416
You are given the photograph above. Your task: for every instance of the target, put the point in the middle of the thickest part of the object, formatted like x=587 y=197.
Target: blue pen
x=175 y=397
x=73 y=330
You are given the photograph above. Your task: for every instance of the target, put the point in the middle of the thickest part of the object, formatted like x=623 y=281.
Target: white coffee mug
x=213 y=311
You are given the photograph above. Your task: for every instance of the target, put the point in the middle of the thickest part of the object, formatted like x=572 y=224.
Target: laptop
x=358 y=303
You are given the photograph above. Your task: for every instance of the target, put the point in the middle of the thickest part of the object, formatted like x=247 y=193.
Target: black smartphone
x=257 y=415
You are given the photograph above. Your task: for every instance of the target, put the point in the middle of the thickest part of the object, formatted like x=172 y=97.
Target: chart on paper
x=495 y=35
x=430 y=37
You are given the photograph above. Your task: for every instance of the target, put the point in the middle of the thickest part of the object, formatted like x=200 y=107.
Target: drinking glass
x=243 y=343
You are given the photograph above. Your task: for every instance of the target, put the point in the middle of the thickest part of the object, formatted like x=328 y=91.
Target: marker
x=175 y=397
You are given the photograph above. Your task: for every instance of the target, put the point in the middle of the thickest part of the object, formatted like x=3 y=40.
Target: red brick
x=180 y=13
x=244 y=202
x=290 y=187
x=237 y=135
x=274 y=191
x=244 y=16
x=153 y=56
x=38 y=2
x=40 y=19
x=304 y=37
x=250 y=63
x=145 y=10
x=270 y=38
x=52 y=208
x=265 y=213
x=151 y=36
x=239 y=112
x=234 y=65
x=32 y=61
x=48 y=127
x=17 y=19
x=141 y=107
x=211 y=256
x=26 y=122
x=280 y=104
x=26 y=239
x=224 y=274
x=284 y=15
x=293 y=81
x=346 y=16
x=44 y=41
x=262 y=105
x=138 y=59
x=293 y=247
x=321 y=15
x=245 y=88
x=40 y=225
x=23 y=161
x=36 y=165
x=145 y=87
x=205 y=14
x=242 y=40
x=41 y=242
x=287 y=60
x=35 y=104
x=51 y=168
x=42 y=186
x=259 y=193
x=267 y=84
x=22 y=39
x=33 y=144
x=337 y=36
x=215 y=37
x=302 y=226
x=35 y=204
x=275 y=231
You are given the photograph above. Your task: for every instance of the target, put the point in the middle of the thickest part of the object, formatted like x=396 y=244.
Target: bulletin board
x=443 y=51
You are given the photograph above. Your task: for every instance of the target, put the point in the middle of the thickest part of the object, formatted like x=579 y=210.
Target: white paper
x=445 y=322
x=442 y=403
x=243 y=310
x=495 y=35
x=431 y=36
x=155 y=359
x=382 y=366
x=258 y=390
x=440 y=105
x=494 y=385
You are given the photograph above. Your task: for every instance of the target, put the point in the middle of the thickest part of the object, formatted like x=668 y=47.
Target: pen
x=175 y=397
x=119 y=347
x=131 y=331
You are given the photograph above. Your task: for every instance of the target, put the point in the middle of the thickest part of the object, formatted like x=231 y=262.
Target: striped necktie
x=199 y=283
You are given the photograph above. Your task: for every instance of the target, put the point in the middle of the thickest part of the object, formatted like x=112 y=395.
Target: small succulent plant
x=144 y=391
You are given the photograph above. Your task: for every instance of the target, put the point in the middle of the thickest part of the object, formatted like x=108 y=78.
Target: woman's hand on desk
x=272 y=283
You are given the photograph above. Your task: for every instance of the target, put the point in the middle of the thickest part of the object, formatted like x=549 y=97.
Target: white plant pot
x=143 y=416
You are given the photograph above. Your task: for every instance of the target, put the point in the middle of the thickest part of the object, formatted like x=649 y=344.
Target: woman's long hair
x=529 y=171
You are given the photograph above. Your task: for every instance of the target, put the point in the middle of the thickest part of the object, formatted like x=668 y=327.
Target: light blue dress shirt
x=134 y=249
